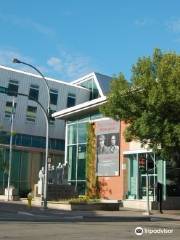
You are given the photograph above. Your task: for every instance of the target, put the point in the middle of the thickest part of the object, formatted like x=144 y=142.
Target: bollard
x=29 y=198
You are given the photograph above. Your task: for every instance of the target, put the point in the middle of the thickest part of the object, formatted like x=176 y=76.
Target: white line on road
x=25 y=213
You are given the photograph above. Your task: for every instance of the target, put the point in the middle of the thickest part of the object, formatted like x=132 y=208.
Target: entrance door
x=147 y=164
x=152 y=180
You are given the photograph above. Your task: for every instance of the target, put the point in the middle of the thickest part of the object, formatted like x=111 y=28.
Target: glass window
x=82 y=132
x=60 y=144
x=71 y=100
x=81 y=162
x=26 y=140
x=91 y=85
x=31 y=113
x=13 y=87
x=72 y=162
x=96 y=116
x=72 y=134
x=34 y=92
x=37 y=142
x=53 y=96
x=8 y=109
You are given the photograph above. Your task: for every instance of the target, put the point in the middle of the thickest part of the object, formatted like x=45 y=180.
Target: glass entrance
x=138 y=166
x=152 y=180
x=132 y=177
x=147 y=168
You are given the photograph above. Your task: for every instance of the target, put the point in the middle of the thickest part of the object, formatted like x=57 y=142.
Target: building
x=80 y=128
x=29 y=125
x=121 y=174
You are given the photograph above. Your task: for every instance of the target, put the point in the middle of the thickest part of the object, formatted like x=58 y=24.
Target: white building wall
x=25 y=80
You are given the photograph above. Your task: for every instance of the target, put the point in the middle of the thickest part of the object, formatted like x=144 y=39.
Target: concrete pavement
x=19 y=211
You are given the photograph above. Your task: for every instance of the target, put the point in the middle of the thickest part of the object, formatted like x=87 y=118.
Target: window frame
x=53 y=94
x=31 y=115
x=11 y=85
x=35 y=88
x=71 y=96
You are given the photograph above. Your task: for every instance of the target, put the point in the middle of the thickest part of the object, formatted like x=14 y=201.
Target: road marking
x=25 y=213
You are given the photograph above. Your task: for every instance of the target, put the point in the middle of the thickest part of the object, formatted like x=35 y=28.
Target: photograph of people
x=102 y=148
x=113 y=148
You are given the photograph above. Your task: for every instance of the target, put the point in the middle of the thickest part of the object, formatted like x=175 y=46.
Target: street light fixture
x=15 y=60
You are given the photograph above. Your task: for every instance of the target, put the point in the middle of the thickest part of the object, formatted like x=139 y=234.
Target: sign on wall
x=107 y=148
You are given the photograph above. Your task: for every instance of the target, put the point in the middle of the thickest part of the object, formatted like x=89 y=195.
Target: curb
x=78 y=219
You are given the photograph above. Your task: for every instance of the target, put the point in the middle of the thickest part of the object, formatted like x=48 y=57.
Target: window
x=91 y=85
x=52 y=120
x=34 y=92
x=72 y=134
x=71 y=100
x=13 y=87
x=53 y=96
x=31 y=114
x=8 y=109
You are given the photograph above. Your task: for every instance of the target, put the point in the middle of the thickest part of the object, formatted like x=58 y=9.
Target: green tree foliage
x=150 y=103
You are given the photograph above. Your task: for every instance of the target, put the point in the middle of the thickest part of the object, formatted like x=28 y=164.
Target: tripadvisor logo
x=139 y=231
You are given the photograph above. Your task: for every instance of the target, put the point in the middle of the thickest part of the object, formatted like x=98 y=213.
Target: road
x=19 y=222
x=84 y=231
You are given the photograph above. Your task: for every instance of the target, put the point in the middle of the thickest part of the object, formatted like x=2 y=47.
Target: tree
x=150 y=103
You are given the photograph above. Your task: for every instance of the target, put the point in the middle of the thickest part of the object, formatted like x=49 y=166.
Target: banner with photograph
x=107 y=148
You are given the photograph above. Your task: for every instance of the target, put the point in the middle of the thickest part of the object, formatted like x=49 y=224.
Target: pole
x=47 y=132
x=147 y=192
x=10 y=146
x=46 y=166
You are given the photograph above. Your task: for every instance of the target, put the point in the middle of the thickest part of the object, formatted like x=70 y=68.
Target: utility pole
x=45 y=187
x=10 y=145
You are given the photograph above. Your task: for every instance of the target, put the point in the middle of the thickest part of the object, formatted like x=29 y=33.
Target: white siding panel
x=37 y=128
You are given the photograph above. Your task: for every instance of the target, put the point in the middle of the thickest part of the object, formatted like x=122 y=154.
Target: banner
x=107 y=148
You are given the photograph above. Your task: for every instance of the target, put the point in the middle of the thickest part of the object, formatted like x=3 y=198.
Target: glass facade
x=24 y=169
x=76 y=151
x=138 y=166
x=32 y=141
x=91 y=85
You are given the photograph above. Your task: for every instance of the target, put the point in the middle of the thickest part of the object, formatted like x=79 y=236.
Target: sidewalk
x=54 y=213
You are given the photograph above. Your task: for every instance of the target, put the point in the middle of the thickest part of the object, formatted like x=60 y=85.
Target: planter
x=87 y=206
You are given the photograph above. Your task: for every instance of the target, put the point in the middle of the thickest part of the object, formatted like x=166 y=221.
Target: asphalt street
x=19 y=222
x=86 y=231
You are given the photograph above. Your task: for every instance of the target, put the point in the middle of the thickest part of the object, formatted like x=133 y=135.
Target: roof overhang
x=80 y=109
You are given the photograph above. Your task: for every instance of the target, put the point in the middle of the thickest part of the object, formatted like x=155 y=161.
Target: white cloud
x=65 y=66
x=174 y=25
x=7 y=55
x=55 y=63
x=70 y=66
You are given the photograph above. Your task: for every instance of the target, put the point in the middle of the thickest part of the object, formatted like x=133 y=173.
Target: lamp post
x=10 y=147
x=15 y=60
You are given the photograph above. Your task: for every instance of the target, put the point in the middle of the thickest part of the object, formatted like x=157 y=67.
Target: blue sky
x=66 y=39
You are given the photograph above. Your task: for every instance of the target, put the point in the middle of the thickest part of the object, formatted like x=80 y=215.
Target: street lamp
x=10 y=146
x=15 y=60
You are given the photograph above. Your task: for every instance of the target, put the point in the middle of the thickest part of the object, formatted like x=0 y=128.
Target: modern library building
x=120 y=167
x=81 y=138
